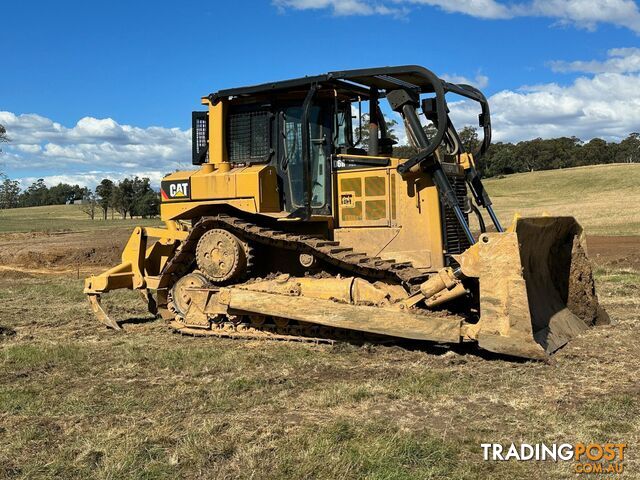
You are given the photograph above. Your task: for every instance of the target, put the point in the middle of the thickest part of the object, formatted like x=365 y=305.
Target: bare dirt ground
x=63 y=249
x=615 y=252
x=80 y=401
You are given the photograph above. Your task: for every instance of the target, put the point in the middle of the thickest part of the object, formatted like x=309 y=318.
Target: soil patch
x=617 y=252
x=63 y=249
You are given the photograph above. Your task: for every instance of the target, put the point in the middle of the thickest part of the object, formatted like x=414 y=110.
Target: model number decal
x=347 y=200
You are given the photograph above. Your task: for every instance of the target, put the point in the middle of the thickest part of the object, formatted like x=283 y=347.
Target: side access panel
x=388 y=216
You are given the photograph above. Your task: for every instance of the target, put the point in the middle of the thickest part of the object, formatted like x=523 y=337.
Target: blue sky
x=92 y=89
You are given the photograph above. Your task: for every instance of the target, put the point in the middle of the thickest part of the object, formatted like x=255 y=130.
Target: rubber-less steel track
x=328 y=251
x=332 y=252
x=246 y=331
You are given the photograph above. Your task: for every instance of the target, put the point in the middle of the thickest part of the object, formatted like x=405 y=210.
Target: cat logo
x=175 y=190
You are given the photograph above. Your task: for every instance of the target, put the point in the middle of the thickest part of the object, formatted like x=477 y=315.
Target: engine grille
x=199 y=137
x=249 y=136
x=455 y=241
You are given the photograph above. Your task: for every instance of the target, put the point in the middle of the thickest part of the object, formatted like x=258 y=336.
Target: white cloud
x=479 y=81
x=41 y=144
x=29 y=148
x=343 y=7
x=581 y=13
x=605 y=105
x=474 y=8
x=620 y=60
x=586 y=13
x=604 y=101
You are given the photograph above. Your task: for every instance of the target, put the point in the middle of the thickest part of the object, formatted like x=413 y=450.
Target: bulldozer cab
x=305 y=128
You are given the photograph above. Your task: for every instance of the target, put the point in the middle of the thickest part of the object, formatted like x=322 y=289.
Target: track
x=330 y=252
x=291 y=332
x=246 y=331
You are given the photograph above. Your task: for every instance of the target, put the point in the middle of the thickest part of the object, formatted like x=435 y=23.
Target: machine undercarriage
x=323 y=291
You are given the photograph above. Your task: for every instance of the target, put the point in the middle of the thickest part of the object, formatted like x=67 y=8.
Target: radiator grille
x=249 y=136
x=352 y=214
x=352 y=185
x=199 y=137
x=455 y=240
x=375 y=209
x=374 y=186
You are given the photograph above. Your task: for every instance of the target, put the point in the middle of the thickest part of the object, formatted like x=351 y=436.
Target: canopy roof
x=357 y=83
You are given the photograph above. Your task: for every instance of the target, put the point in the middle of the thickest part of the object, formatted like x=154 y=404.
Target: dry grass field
x=601 y=197
x=61 y=218
x=80 y=401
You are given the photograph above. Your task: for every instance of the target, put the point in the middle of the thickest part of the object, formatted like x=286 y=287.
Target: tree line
x=128 y=197
x=504 y=158
x=135 y=197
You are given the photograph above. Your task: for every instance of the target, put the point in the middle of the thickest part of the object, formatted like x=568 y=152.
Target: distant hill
x=604 y=198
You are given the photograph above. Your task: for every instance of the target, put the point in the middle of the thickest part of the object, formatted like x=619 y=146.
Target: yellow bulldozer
x=300 y=223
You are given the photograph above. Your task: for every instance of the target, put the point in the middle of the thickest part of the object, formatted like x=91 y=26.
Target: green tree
x=408 y=151
x=628 y=150
x=123 y=197
x=35 y=195
x=145 y=201
x=363 y=133
x=104 y=192
x=594 y=152
x=3 y=135
x=9 y=192
x=469 y=138
x=148 y=205
x=405 y=151
x=499 y=160
x=63 y=193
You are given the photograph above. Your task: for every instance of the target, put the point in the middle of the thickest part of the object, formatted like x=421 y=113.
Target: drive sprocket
x=221 y=256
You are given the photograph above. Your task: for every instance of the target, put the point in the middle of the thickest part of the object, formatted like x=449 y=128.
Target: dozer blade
x=537 y=290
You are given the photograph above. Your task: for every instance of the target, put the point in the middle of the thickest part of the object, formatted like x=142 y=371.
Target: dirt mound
x=63 y=249
x=582 y=299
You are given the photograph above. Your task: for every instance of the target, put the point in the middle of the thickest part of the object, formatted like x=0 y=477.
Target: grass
x=601 y=197
x=79 y=401
x=57 y=218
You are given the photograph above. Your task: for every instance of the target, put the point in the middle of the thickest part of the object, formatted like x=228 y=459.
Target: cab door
x=290 y=159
